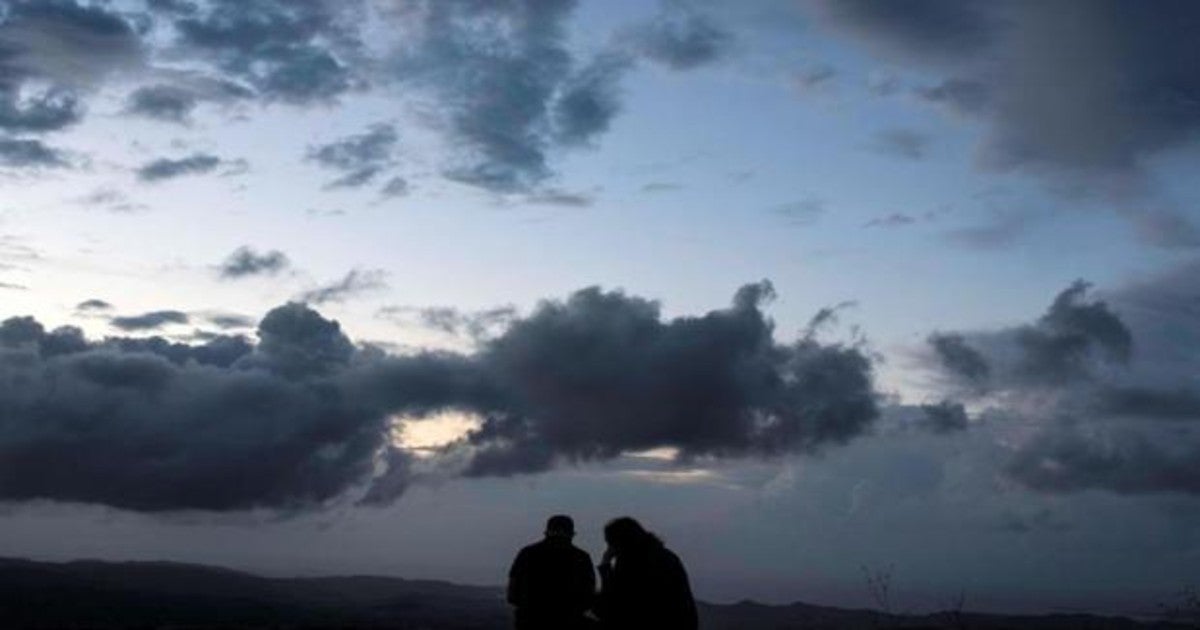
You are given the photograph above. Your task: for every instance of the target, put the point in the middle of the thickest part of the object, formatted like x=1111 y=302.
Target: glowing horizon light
x=425 y=434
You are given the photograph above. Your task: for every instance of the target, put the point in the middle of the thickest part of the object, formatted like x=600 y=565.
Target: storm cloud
x=509 y=88
x=72 y=46
x=601 y=374
x=1103 y=387
x=1073 y=341
x=146 y=431
x=304 y=417
x=296 y=52
x=511 y=91
x=1124 y=86
x=54 y=53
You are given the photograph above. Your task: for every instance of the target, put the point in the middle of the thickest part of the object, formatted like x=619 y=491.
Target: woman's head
x=624 y=533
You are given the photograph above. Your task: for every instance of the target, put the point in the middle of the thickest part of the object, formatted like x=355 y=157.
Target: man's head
x=560 y=526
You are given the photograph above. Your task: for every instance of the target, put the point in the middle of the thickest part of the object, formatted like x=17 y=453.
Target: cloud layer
x=511 y=90
x=1102 y=389
x=304 y=416
x=1123 y=89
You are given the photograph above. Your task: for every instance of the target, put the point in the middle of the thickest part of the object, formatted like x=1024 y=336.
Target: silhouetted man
x=551 y=584
x=643 y=585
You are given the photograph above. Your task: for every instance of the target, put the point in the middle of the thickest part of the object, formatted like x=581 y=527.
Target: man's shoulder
x=532 y=548
x=547 y=548
x=527 y=552
x=581 y=554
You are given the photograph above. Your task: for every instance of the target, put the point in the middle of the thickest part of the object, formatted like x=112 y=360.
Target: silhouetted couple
x=643 y=585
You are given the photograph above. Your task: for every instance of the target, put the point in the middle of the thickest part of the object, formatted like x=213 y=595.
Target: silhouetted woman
x=643 y=585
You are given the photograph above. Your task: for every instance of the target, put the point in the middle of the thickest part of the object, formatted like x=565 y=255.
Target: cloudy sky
x=815 y=289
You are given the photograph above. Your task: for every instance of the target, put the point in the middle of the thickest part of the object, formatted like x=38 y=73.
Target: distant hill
x=88 y=594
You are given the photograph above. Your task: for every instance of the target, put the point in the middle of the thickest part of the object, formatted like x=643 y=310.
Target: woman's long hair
x=627 y=533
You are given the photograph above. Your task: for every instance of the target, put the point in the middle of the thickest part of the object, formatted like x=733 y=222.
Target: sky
x=819 y=291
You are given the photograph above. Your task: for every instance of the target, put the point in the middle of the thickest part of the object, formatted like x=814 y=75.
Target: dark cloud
x=507 y=85
x=932 y=28
x=825 y=318
x=602 y=373
x=51 y=52
x=1122 y=462
x=153 y=426
x=297 y=341
x=66 y=43
x=166 y=168
x=359 y=157
x=176 y=99
x=304 y=417
x=296 y=51
x=1124 y=88
x=355 y=282
x=902 y=143
x=228 y=321
x=395 y=187
x=589 y=100
x=50 y=110
x=945 y=417
x=354 y=179
x=93 y=305
x=162 y=102
x=1149 y=402
x=681 y=38
x=1070 y=330
x=959 y=358
x=245 y=262
x=149 y=321
x=13 y=287
x=19 y=153
x=1075 y=338
x=1104 y=387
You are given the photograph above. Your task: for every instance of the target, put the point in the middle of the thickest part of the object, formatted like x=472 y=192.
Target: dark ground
x=166 y=595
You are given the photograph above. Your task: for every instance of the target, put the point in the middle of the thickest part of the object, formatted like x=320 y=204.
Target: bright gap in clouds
x=424 y=435
x=667 y=453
